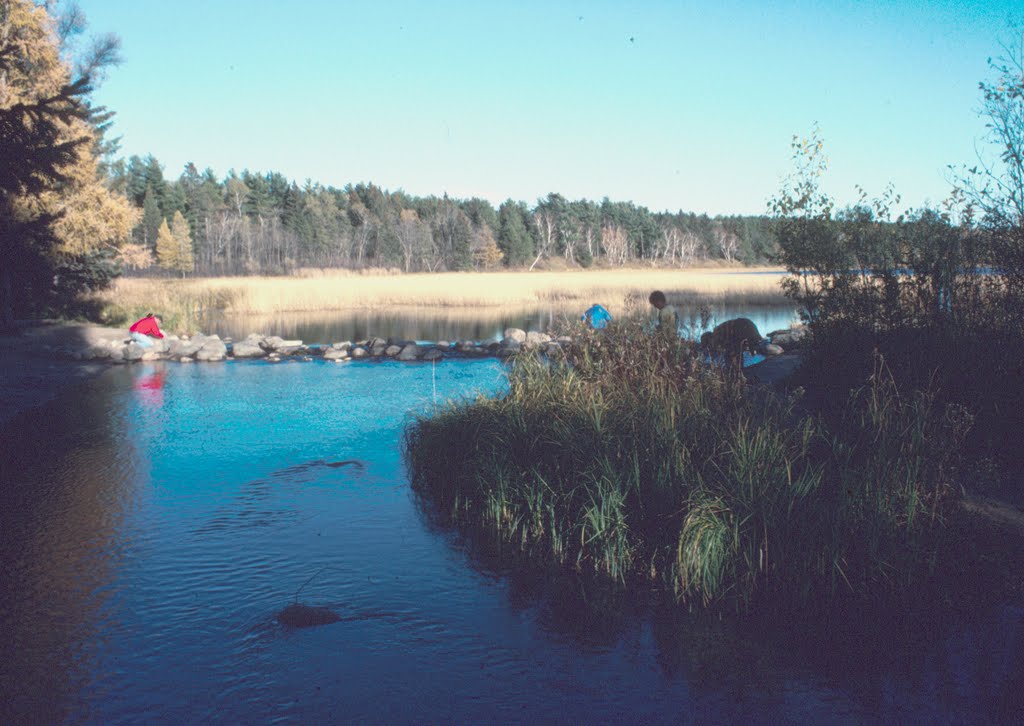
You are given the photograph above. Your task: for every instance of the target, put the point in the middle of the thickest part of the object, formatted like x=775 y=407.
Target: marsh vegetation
x=636 y=461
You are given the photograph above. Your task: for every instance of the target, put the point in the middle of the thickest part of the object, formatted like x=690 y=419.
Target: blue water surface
x=155 y=521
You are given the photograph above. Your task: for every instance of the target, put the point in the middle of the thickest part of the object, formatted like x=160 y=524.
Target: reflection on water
x=148 y=545
x=480 y=324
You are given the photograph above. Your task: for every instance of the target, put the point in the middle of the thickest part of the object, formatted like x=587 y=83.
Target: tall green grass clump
x=635 y=461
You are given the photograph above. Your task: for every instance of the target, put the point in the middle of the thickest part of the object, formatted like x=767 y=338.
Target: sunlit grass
x=317 y=291
x=636 y=462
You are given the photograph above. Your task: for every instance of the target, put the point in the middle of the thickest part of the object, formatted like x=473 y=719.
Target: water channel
x=154 y=521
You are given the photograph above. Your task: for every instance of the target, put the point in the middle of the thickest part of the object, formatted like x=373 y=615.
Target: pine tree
x=182 y=238
x=58 y=221
x=513 y=238
x=151 y=218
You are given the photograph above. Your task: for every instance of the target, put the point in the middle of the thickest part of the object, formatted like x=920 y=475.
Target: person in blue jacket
x=596 y=316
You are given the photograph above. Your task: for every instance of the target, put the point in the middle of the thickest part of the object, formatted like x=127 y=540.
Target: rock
x=504 y=352
x=534 y=339
x=443 y=344
x=510 y=343
x=515 y=334
x=278 y=344
x=298 y=615
x=465 y=346
x=336 y=354
x=186 y=359
x=185 y=348
x=98 y=352
x=552 y=348
x=433 y=354
x=133 y=352
x=478 y=352
x=152 y=354
x=358 y=352
x=378 y=349
x=273 y=358
x=790 y=338
x=772 y=349
x=341 y=346
x=409 y=352
x=247 y=349
x=392 y=350
x=213 y=350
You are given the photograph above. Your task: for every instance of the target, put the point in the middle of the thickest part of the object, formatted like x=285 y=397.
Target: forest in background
x=263 y=223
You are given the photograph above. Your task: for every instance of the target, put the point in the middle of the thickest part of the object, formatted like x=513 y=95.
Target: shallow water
x=154 y=521
x=480 y=324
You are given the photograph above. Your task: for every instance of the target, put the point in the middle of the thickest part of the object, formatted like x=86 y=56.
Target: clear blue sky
x=672 y=105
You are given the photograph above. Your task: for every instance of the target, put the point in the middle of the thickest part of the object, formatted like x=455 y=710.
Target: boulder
x=392 y=350
x=184 y=348
x=186 y=359
x=511 y=343
x=790 y=338
x=97 y=352
x=213 y=349
x=433 y=354
x=465 y=346
x=247 y=349
x=410 y=351
x=336 y=354
x=341 y=346
x=278 y=344
x=515 y=334
x=358 y=352
x=535 y=339
x=378 y=349
x=152 y=354
x=133 y=352
x=772 y=349
x=443 y=344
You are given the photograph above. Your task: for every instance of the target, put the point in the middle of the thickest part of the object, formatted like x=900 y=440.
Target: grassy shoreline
x=639 y=464
x=321 y=291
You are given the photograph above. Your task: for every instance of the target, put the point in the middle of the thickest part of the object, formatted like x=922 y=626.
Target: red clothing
x=147 y=326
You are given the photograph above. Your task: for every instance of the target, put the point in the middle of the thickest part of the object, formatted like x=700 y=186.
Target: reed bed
x=637 y=462
x=345 y=290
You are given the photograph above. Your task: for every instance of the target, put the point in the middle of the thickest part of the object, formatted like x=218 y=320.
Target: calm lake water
x=434 y=324
x=154 y=521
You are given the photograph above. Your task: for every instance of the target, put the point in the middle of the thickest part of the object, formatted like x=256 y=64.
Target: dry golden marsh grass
x=315 y=291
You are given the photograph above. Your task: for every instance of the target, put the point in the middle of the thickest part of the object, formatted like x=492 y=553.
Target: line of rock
x=273 y=348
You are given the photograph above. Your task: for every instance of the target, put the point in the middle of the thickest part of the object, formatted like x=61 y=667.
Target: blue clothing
x=597 y=317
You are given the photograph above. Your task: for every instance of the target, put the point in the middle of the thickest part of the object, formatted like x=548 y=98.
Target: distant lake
x=484 y=323
x=154 y=521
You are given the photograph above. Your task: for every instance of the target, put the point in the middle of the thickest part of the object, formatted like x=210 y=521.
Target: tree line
x=264 y=223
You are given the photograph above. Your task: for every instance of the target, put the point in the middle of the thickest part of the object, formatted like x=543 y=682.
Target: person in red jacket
x=144 y=330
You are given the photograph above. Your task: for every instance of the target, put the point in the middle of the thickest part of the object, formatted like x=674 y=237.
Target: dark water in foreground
x=153 y=522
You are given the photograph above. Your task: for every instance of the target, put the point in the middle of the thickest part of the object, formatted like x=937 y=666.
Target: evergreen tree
x=513 y=238
x=151 y=218
x=59 y=223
